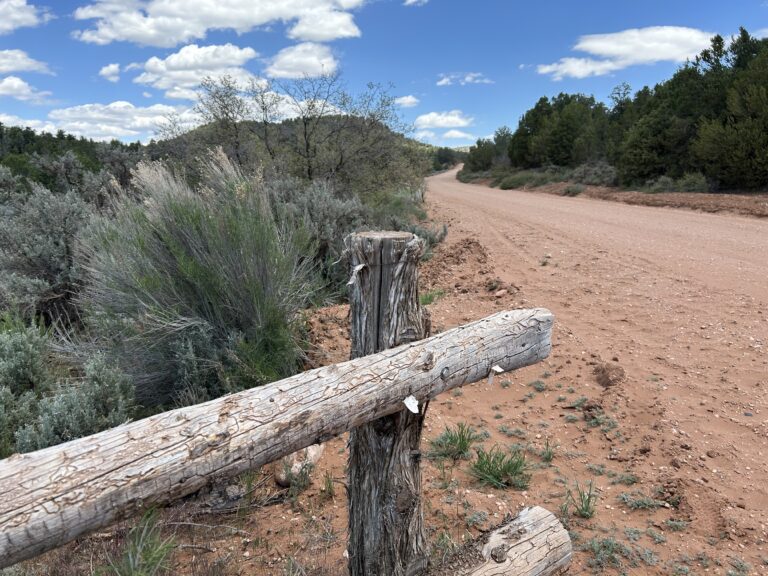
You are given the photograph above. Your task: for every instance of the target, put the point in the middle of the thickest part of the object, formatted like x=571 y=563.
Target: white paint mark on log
x=412 y=404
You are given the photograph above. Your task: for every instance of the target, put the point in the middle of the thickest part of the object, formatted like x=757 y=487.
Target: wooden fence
x=55 y=495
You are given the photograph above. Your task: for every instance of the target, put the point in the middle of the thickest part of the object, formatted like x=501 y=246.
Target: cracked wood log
x=386 y=522
x=55 y=495
x=534 y=543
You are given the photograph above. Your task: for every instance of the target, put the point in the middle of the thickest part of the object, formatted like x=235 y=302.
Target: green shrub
x=531 y=178
x=15 y=412
x=574 y=189
x=661 y=184
x=102 y=400
x=23 y=351
x=37 y=269
x=197 y=292
x=325 y=216
x=692 y=182
x=595 y=174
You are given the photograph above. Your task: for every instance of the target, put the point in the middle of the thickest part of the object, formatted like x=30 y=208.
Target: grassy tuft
x=455 y=443
x=500 y=469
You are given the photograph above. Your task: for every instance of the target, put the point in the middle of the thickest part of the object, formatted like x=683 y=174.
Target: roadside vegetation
x=139 y=278
x=702 y=130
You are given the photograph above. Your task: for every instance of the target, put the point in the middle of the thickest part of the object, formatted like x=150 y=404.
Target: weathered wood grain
x=52 y=496
x=534 y=543
x=386 y=522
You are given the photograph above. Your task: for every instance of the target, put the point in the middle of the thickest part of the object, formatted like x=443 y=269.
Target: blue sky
x=116 y=68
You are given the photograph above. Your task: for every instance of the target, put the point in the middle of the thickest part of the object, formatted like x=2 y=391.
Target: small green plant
x=298 y=481
x=627 y=478
x=607 y=552
x=455 y=443
x=738 y=567
x=578 y=403
x=444 y=545
x=548 y=452
x=601 y=420
x=538 y=385
x=571 y=418
x=585 y=500
x=445 y=480
x=676 y=525
x=656 y=536
x=431 y=296
x=501 y=470
x=633 y=534
x=596 y=469
x=476 y=518
x=512 y=432
x=328 y=490
x=146 y=552
x=639 y=501
x=648 y=557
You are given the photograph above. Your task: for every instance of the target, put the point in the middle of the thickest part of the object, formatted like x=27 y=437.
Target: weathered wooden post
x=386 y=523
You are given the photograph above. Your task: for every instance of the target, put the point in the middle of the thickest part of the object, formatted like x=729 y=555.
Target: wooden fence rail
x=55 y=495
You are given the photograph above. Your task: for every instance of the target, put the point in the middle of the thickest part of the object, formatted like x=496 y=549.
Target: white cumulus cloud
x=181 y=73
x=323 y=25
x=167 y=23
x=425 y=135
x=35 y=124
x=20 y=61
x=408 y=101
x=15 y=87
x=458 y=135
x=306 y=59
x=415 y=2
x=462 y=79
x=118 y=120
x=110 y=72
x=619 y=50
x=18 y=14
x=450 y=119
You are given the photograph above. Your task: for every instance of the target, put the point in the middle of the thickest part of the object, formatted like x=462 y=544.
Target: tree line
x=708 y=123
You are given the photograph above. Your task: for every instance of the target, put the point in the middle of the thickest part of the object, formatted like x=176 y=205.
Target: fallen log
x=55 y=495
x=534 y=543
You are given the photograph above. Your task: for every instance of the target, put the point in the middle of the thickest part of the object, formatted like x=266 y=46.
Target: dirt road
x=679 y=301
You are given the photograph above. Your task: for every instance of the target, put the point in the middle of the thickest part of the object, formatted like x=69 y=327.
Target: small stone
x=501 y=293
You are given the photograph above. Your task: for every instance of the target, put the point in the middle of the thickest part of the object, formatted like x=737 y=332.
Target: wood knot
x=444 y=373
x=426 y=361
x=499 y=553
